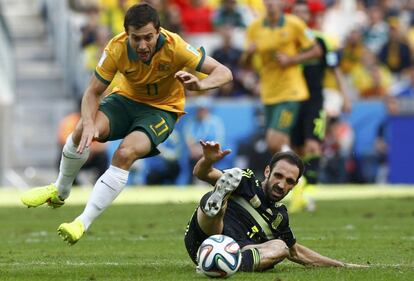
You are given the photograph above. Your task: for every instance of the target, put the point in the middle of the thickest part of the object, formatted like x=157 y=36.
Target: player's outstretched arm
x=305 y=256
x=204 y=169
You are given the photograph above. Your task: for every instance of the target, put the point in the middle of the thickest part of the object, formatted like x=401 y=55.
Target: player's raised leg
x=108 y=186
x=225 y=185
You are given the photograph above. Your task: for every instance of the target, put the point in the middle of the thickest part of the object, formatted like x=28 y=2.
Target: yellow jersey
x=291 y=36
x=152 y=83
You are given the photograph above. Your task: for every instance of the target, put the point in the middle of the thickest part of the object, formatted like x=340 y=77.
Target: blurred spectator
x=89 y=30
x=252 y=152
x=376 y=32
x=229 y=55
x=370 y=78
x=342 y=16
x=230 y=13
x=112 y=15
x=97 y=162
x=336 y=150
x=93 y=51
x=83 y=5
x=196 y=16
x=169 y=14
x=352 y=51
x=203 y=126
x=405 y=87
x=396 y=53
x=165 y=167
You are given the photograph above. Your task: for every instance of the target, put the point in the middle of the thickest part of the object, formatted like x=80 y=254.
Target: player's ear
x=267 y=171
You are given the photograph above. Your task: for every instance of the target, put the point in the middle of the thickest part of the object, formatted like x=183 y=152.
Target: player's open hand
x=212 y=151
x=89 y=133
x=190 y=81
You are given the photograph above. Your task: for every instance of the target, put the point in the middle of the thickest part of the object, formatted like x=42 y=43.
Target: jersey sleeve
x=188 y=56
x=286 y=233
x=288 y=237
x=106 y=68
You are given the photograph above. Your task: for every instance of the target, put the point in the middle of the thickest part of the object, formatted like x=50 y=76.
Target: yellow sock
x=298 y=201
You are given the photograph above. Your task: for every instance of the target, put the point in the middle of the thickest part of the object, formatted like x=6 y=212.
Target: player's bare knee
x=126 y=155
x=280 y=249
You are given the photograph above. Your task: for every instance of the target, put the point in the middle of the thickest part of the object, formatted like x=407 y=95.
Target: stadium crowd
x=374 y=41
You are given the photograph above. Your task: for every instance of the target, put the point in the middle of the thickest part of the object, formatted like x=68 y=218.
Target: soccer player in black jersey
x=309 y=130
x=249 y=211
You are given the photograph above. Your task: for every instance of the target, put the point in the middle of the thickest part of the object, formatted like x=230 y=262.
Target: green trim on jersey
x=200 y=64
x=280 y=23
x=100 y=78
x=256 y=216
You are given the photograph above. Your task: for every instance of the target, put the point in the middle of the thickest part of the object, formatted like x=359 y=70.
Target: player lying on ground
x=249 y=211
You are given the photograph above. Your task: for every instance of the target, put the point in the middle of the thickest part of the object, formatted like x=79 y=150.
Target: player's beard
x=274 y=193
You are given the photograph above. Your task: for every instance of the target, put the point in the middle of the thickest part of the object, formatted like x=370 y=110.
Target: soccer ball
x=219 y=256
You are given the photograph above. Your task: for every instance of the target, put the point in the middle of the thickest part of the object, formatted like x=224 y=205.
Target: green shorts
x=126 y=116
x=281 y=116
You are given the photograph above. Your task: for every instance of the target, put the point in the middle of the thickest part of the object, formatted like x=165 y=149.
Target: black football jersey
x=251 y=218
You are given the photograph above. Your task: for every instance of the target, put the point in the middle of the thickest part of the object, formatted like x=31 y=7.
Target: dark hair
x=140 y=15
x=290 y=157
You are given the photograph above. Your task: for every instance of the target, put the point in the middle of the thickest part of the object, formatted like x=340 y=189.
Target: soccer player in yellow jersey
x=141 y=110
x=281 y=42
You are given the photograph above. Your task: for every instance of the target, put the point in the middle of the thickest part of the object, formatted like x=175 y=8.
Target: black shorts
x=193 y=238
x=310 y=124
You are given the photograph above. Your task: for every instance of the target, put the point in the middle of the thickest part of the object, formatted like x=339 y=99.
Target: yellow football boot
x=40 y=195
x=71 y=232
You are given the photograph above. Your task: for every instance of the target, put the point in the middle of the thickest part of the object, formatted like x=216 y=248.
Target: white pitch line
x=86 y=264
x=390 y=265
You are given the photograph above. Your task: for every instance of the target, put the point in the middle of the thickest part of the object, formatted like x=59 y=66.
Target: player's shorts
x=126 y=116
x=193 y=238
x=311 y=123
x=281 y=116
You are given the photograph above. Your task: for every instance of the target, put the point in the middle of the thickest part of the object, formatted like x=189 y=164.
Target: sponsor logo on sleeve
x=102 y=59
x=192 y=50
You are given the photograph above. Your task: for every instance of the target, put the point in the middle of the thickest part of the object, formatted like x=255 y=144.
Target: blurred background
x=49 y=49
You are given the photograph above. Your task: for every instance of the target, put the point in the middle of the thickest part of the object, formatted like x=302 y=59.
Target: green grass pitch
x=145 y=241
